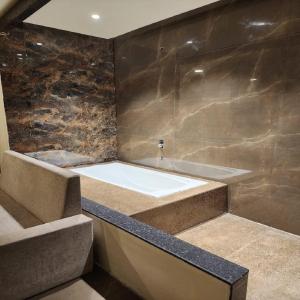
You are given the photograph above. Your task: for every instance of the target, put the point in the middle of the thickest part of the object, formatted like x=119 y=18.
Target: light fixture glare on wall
x=95 y=16
x=199 y=71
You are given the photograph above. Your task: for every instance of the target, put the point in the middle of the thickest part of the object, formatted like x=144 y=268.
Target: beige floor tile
x=271 y=255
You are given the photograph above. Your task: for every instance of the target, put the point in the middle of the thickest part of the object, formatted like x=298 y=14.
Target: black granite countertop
x=214 y=265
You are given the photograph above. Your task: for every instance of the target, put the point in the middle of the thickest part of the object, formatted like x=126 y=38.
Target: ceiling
x=116 y=16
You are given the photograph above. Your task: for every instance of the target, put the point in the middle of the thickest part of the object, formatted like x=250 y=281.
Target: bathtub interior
x=146 y=181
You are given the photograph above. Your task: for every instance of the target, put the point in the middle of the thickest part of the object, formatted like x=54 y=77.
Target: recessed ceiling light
x=95 y=16
x=189 y=42
x=39 y=44
x=199 y=71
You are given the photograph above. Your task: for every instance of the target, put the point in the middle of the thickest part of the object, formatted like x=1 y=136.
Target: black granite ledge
x=214 y=265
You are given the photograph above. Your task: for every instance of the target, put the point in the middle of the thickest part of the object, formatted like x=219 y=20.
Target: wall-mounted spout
x=161 y=144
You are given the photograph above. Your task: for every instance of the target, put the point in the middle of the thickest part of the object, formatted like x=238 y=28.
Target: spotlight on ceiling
x=95 y=16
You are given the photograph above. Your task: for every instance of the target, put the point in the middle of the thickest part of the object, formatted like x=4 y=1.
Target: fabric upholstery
x=48 y=192
x=42 y=257
x=22 y=216
x=7 y=223
x=74 y=290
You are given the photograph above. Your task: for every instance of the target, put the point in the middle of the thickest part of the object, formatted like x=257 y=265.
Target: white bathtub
x=138 y=179
x=212 y=172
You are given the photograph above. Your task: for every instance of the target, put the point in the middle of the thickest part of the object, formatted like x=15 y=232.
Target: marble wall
x=222 y=89
x=59 y=91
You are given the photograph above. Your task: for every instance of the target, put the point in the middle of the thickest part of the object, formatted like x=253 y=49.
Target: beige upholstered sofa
x=44 y=240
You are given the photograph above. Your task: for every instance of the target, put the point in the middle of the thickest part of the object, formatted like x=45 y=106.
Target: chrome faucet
x=161 y=144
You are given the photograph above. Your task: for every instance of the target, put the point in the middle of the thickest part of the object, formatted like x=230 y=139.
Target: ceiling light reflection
x=199 y=71
x=95 y=16
x=260 y=23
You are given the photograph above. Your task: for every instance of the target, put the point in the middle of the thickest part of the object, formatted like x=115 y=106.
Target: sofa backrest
x=48 y=192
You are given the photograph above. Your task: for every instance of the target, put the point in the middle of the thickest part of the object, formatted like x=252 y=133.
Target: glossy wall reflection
x=222 y=89
x=58 y=91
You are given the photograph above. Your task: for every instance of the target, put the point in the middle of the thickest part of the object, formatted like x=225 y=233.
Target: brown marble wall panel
x=246 y=21
x=59 y=91
x=222 y=89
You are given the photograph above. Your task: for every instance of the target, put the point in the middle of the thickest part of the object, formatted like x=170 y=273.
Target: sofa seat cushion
x=14 y=216
x=74 y=290
x=7 y=223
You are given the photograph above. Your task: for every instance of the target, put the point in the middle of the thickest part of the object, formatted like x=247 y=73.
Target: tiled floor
x=271 y=255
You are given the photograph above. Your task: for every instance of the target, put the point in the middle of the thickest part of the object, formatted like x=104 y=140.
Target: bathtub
x=213 y=172
x=149 y=182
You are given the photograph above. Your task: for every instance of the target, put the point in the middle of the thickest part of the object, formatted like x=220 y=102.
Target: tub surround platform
x=226 y=271
x=172 y=213
x=271 y=255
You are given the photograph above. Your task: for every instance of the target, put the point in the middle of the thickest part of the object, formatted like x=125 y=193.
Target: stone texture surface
x=61 y=158
x=187 y=212
x=222 y=89
x=272 y=256
x=58 y=91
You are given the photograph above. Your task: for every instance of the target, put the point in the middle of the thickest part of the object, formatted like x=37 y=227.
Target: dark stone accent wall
x=222 y=89
x=58 y=91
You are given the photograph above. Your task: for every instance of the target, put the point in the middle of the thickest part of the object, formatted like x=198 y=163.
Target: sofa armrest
x=48 y=192
x=36 y=259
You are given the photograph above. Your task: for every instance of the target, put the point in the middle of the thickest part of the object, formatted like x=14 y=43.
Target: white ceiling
x=116 y=16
